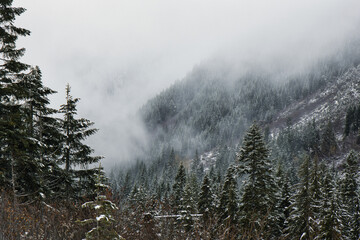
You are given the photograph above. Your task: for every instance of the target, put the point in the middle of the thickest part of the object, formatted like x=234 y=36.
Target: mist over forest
x=179 y=120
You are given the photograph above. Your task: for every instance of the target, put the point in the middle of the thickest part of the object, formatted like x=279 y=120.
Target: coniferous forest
x=256 y=157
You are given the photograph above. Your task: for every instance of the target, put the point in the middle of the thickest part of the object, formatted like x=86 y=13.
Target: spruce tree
x=284 y=198
x=44 y=132
x=315 y=189
x=301 y=222
x=349 y=196
x=349 y=120
x=18 y=171
x=78 y=182
x=206 y=200
x=259 y=193
x=328 y=141
x=103 y=222
x=178 y=189
x=330 y=220
x=228 y=209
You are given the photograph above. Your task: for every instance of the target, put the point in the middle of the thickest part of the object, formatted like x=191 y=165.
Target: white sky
x=116 y=54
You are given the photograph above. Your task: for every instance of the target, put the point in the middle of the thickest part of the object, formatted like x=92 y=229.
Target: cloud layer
x=116 y=54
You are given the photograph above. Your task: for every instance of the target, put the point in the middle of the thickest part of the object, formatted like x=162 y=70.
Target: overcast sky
x=116 y=54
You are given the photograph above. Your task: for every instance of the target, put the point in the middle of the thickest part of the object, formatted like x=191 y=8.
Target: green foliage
x=103 y=222
x=259 y=193
x=328 y=141
x=206 y=199
x=178 y=189
x=330 y=217
x=302 y=223
x=75 y=153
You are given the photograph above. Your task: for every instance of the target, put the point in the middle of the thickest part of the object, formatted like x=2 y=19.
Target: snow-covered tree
x=178 y=189
x=103 y=221
x=350 y=197
x=302 y=224
x=228 y=209
x=330 y=220
x=19 y=172
x=206 y=203
x=259 y=192
x=284 y=198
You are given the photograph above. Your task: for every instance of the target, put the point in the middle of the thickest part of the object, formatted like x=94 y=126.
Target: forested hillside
x=250 y=154
x=306 y=124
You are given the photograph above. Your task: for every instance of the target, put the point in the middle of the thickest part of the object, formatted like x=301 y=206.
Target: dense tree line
x=257 y=198
x=43 y=158
x=300 y=183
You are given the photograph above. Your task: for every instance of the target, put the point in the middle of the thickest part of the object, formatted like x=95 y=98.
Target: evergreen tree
x=356 y=126
x=349 y=195
x=259 y=194
x=311 y=138
x=191 y=193
x=196 y=164
x=103 y=221
x=349 y=120
x=206 y=200
x=178 y=189
x=44 y=132
x=228 y=207
x=18 y=171
x=284 y=202
x=330 y=220
x=328 y=141
x=315 y=189
x=79 y=182
x=301 y=222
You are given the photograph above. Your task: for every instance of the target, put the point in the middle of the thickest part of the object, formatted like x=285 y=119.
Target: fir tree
x=196 y=165
x=18 y=171
x=284 y=201
x=191 y=193
x=314 y=189
x=178 y=189
x=259 y=194
x=349 y=120
x=328 y=141
x=330 y=220
x=75 y=152
x=301 y=222
x=349 y=195
x=206 y=200
x=44 y=132
x=103 y=221
x=228 y=207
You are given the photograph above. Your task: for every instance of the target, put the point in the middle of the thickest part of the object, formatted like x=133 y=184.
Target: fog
x=116 y=54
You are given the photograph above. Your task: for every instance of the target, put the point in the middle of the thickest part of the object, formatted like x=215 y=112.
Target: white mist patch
x=116 y=54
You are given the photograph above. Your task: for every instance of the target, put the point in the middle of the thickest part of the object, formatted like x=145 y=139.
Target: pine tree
x=79 y=182
x=44 y=132
x=328 y=141
x=228 y=208
x=284 y=202
x=18 y=171
x=206 y=200
x=259 y=194
x=330 y=220
x=349 y=120
x=103 y=221
x=178 y=189
x=349 y=195
x=191 y=193
x=301 y=222
x=315 y=189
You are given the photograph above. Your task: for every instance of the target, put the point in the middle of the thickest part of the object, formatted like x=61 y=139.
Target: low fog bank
x=117 y=55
